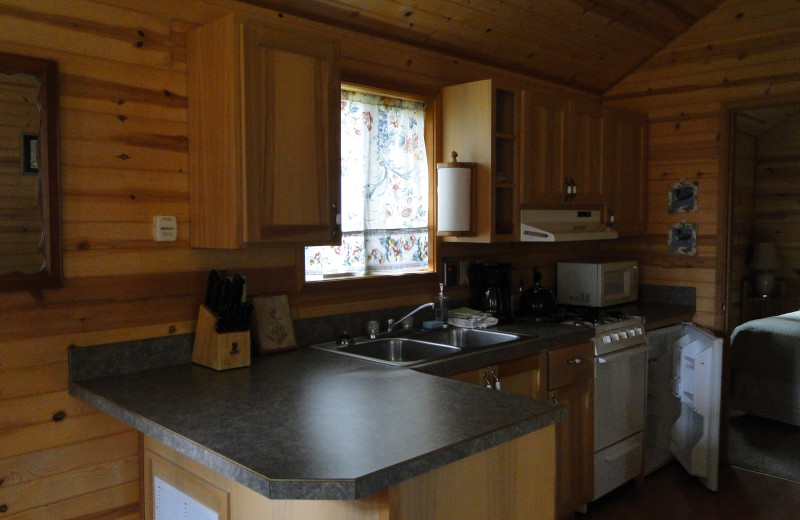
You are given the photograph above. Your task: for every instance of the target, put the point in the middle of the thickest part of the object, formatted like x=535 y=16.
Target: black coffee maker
x=490 y=289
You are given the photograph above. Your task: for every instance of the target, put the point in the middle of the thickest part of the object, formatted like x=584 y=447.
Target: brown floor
x=671 y=494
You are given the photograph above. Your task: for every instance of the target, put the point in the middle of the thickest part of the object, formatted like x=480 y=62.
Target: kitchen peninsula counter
x=307 y=424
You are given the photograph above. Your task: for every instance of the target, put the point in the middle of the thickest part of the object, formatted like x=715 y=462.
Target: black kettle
x=537 y=300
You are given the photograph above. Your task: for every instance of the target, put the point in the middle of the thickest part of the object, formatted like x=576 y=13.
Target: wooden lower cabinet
x=523 y=376
x=565 y=376
x=570 y=384
x=574 y=448
x=513 y=481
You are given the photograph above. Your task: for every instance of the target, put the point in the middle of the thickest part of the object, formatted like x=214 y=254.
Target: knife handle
x=212 y=290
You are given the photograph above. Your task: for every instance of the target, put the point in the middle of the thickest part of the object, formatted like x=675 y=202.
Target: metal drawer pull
x=575 y=361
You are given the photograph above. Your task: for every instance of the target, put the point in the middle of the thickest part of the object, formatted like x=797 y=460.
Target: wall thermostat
x=165 y=229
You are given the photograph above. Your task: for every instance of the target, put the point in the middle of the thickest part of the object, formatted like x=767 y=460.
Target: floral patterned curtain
x=384 y=189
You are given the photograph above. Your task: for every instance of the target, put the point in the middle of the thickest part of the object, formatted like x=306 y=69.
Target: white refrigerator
x=683 y=400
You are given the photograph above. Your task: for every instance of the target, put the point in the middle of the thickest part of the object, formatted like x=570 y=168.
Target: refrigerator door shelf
x=696 y=383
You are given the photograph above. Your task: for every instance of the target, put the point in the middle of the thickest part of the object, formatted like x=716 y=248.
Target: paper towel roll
x=454 y=199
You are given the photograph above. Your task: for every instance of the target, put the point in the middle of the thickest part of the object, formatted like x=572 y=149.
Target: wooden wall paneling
x=87 y=479
x=50 y=377
x=123 y=286
x=114 y=502
x=124 y=160
x=32 y=466
x=777 y=195
x=50 y=434
x=41 y=408
x=102 y=31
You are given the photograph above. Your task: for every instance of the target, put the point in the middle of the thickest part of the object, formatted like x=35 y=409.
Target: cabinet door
x=574 y=448
x=263 y=136
x=290 y=136
x=582 y=161
x=571 y=384
x=473 y=377
x=561 y=140
x=543 y=131
x=522 y=376
x=480 y=121
x=625 y=170
x=169 y=487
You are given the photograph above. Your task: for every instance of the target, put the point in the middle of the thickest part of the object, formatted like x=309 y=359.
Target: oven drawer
x=569 y=364
x=618 y=464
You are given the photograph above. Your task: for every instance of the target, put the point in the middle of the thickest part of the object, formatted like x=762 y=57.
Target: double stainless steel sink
x=420 y=346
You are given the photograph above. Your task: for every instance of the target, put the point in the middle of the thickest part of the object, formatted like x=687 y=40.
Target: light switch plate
x=165 y=228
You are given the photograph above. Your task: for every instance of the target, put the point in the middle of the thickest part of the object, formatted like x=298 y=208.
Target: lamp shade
x=766 y=257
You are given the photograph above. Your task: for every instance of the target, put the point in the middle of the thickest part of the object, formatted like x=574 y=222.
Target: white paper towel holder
x=455 y=181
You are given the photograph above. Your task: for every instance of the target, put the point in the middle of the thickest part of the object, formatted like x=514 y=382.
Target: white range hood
x=564 y=225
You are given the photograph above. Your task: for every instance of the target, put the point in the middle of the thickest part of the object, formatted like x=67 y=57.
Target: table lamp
x=765 y=260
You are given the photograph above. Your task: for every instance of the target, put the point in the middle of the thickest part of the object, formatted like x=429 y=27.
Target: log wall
x=124 y=157
x=124 y=160
x=777 y=195
x=740 y=53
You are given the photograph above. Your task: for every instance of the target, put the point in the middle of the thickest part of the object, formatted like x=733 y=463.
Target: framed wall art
x=272 y=326
x=683 y=197
x=682 y=239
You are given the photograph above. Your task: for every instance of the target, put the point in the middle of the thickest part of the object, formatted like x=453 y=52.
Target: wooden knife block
x=219 y=351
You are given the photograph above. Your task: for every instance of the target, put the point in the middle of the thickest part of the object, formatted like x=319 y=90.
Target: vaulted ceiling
x=586 y=44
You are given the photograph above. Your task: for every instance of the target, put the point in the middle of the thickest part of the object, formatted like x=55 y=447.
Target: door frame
x=728 y=113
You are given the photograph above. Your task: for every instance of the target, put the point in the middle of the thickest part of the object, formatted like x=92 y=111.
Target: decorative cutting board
x=272 y=325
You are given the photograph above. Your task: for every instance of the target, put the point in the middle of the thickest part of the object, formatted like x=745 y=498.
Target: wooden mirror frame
x=49 y=176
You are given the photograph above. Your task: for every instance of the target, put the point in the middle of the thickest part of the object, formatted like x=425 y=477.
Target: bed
x=765 y=367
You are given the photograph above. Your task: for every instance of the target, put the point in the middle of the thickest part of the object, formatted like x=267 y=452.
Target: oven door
x=620 y=387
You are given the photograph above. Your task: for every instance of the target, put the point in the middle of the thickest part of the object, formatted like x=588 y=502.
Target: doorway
x=763 y=207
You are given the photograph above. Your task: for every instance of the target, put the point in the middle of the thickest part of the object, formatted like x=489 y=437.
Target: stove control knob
x=606 y=339
x=615 y=337
x=632 y=333
x=623 y=335
x=639 y=330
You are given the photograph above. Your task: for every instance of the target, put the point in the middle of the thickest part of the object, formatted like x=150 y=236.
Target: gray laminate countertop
x=307 y=424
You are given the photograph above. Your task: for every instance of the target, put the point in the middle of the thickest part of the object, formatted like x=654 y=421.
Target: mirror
x=30 y=202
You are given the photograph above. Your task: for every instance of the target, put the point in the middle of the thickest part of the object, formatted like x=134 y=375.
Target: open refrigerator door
x=684 y=390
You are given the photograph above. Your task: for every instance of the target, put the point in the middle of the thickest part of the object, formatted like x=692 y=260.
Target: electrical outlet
x=463 y=267
x=165 y=228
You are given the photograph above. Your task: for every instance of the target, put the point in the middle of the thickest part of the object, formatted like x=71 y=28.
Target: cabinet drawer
x=569 y=364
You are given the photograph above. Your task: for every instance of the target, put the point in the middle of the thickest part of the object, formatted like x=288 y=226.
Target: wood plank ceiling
x=585 y=44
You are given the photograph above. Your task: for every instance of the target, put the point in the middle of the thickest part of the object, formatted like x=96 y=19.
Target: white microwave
x=597 y=284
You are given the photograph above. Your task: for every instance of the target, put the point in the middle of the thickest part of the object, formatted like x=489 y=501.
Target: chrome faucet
x=390 y=325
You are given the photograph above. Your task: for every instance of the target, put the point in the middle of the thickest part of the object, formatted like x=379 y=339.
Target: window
x=384 y=190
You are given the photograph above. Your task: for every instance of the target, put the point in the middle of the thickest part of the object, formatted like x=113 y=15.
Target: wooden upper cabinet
x=264 y=152
x=561 y=157
x=480 y=122
x=582 y=162
x=625 y=170
x=543 y=132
